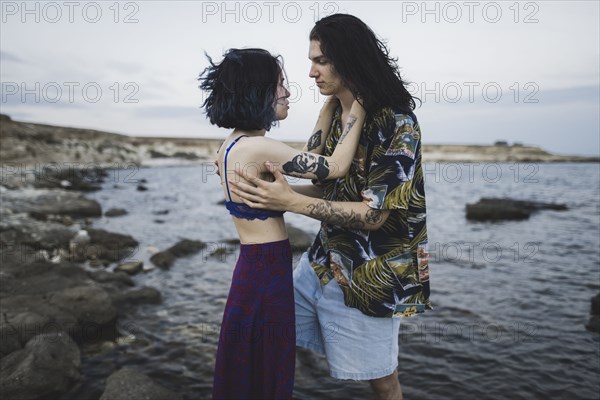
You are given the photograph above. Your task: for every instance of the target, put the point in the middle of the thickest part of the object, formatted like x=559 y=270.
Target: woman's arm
x=307 y=165
x=279 y=195
x=316 y=142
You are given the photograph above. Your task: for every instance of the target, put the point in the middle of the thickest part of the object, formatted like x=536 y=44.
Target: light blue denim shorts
x=356 y=346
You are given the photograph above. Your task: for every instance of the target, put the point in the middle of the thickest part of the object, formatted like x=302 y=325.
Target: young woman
x=257 y=343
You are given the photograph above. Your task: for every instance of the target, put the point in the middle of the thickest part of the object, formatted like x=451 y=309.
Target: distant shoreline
x=30 y=143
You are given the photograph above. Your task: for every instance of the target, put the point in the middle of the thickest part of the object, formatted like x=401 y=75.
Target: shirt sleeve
x=394 y=153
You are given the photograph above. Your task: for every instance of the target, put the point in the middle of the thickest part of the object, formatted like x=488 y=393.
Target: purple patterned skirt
x=257 y=343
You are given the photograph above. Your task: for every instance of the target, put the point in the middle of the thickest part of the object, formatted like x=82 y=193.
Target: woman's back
x=253 y=226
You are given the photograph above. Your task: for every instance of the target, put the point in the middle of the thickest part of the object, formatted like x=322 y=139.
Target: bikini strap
x=225 y=164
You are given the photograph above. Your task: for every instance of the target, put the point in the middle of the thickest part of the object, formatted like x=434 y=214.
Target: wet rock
x=156 y=154
x=91 y=305
x=160 y=212
x=593 y=324
x=185 y=247
x=299 y=239
x=163 y=259
x=115 y=212
x=47 y=366
x=10 y=339
x=119 y=278
x=128 y=384
x=131 y=268
x=18 y=230
x=41 y=202
x=69 y=178
x=186 y=155
x=143 y=295
x=497 y=209
x=141 y=188
x=109 y=245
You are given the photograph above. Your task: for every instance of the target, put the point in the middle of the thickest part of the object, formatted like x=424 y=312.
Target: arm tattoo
x=349 y=124
x=314 y=141
x=374 y=216
x=327 y=212
x=306 y=162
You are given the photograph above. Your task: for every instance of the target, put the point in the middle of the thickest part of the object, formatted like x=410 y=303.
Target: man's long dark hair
x=363 y=62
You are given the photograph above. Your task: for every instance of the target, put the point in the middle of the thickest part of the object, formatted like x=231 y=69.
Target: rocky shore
x=29 y=144
x=63 y=282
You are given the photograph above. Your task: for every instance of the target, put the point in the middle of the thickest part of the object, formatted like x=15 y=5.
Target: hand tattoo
x=305 y=162
x=314 y=141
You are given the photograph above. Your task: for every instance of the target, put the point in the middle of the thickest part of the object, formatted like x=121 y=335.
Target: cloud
x=9 y=57
x=169 y=112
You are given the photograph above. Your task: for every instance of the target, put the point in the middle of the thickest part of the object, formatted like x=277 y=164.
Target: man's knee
x=388 y=387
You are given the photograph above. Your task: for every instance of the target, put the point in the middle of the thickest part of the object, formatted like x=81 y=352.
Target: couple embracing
x=368 y=265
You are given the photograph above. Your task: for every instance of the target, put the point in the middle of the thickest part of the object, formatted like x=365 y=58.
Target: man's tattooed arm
x=314 y=141
x=304 y=163
x=349 y=215
x=349 y=124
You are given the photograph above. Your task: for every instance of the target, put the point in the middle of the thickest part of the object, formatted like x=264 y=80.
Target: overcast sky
x=525 y=72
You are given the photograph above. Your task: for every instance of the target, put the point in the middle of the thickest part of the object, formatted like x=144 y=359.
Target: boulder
x=115 y=212
x=593 y=324
x=143 y=295
x=109 y=245
x=497 y=209
x=185 y=247
x=131 y=268
x=128 y=384
x=47 y=366
x=40 y=202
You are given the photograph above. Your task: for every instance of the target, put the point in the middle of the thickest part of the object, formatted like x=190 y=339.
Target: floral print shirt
x=383 y=273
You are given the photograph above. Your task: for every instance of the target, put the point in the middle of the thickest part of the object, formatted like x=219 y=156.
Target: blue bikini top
x=241 y=210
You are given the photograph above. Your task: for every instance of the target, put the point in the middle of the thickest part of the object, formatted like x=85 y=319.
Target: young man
x=368 y=265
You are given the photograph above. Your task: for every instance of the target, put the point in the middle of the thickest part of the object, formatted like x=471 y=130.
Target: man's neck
x=346 y=99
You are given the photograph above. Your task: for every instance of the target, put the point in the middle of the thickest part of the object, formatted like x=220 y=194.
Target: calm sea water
x=511 y=298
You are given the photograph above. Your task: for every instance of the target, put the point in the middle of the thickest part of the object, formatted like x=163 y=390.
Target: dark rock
x=18 y=230
x=156 y=154
x=119 y=278
x=142 y=188
x=497 y=209
x=160 y=212
x=163 y=259
x=186 y=155
x=593 y=324
x=185 y=247
x=596 y=305
x=91 y=305
x=45 y=202
x=128 y=384
x=115 y=212
x=131 y=268
x=47 y=366
x=143 y=295
x=159 y=221
x=109 y=245
x=69 y=178
x=9 y=339
x=299 y=239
